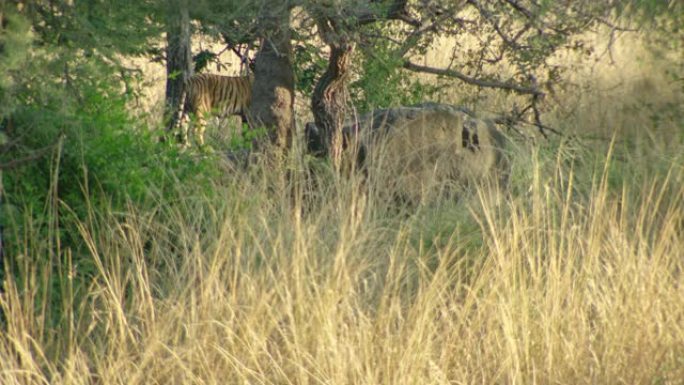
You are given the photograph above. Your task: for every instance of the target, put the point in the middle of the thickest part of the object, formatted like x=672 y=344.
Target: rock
x=419 y=151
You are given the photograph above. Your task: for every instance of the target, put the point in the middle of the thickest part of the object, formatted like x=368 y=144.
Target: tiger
x=216 y=94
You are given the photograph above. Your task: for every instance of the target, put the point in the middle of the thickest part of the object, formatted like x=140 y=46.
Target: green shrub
x=383 y=83
x=85 y=156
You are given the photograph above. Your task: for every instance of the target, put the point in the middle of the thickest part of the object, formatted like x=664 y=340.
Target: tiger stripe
x=205 y=94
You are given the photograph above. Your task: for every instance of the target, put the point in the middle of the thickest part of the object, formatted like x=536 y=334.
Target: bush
x=383 y=83
x=84 y=156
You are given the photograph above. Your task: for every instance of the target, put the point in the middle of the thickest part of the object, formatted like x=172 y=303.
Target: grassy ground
x=571 y=276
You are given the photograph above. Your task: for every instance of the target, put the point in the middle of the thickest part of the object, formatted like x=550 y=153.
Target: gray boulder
x=419 y=151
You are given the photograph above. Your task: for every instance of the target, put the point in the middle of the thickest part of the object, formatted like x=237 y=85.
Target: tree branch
x=396 y=11
x=474 y=81
x=521 y=9
x=487 y=15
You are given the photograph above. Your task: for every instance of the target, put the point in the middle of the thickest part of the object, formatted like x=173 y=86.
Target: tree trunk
x=273 y=90
x=178 y=56
x=3 y=138
x=330 y=99
x=2 y=209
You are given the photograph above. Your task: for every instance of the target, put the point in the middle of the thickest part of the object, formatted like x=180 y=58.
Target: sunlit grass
x=552 y=287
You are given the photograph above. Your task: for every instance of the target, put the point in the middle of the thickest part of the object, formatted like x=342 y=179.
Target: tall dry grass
x=572 y=275
x=546 y=287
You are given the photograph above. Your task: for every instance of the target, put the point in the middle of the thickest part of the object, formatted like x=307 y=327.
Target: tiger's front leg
x=183 y=128
x=199 y=128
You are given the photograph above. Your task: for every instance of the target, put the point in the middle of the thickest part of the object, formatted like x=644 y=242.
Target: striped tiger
x=216 y=94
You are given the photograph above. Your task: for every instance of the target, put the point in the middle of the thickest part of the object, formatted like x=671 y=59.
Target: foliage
x=309 y=63
x=72 y=146
x=232 y=20
x=649 y=10
x=506 y=45
x=99 y=28
x=97 y=157
x=382 y=82
x=202 y=60
x=247 y=138
x=95 y=152
x=101 y=148
x=15 y=39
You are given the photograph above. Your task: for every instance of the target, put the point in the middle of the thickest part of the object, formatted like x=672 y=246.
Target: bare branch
x=520 y=8
x=510 y=123
x=537 y=116
x=491 y=20
x=474 y=81
x=417 y=33
x=396 y=11
x=406 y=19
